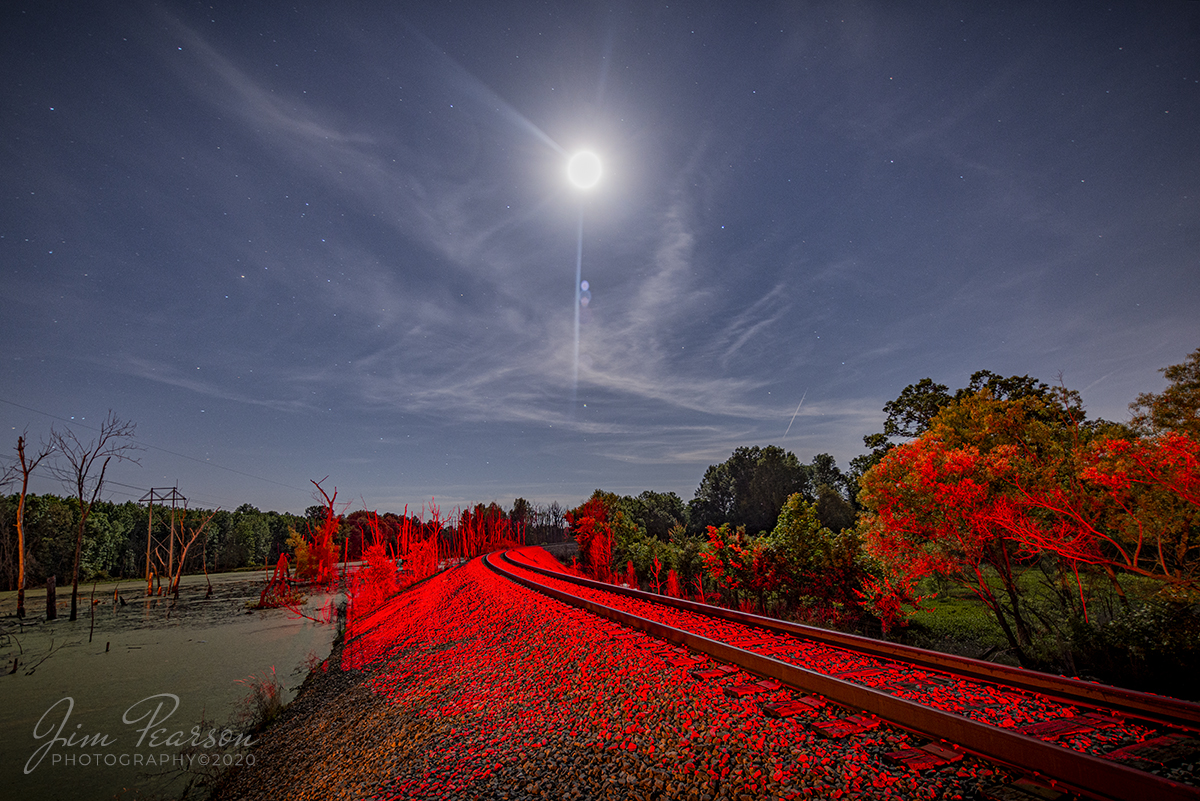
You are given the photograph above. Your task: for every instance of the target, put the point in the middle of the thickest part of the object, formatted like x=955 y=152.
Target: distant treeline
x=114 y=543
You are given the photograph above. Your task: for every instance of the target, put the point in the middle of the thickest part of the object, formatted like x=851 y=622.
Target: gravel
x=468 y=686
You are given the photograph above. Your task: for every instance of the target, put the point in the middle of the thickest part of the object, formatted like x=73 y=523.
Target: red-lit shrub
x=376 y=581
x=279 y=590
x=630 y=576
x=673 y=589
x=418 y=544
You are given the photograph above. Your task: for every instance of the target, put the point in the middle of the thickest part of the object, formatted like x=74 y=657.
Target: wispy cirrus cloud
x=217 y=389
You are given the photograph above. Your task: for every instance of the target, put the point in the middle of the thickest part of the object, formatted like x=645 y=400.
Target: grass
x=1150 y=642
x=264 y=704
x=957 y=625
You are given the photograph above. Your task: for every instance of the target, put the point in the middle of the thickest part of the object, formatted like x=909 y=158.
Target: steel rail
x=1158 y=709
x=1079 y=772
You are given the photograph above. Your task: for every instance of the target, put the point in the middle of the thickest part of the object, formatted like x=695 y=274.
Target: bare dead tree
x=186 y=538
x=26 y=465
x=80 y=473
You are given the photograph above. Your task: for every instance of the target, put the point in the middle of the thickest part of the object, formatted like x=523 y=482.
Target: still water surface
x=142 y=652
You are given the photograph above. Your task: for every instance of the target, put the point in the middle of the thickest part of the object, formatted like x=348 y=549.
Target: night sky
x=338 y=239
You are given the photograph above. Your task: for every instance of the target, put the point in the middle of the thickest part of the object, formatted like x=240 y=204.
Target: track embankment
x=471 y=686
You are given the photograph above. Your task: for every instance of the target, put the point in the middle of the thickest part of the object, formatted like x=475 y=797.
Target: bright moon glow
x=583 y=169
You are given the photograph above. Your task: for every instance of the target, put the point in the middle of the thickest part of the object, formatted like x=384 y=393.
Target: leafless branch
x=81 y=475
x=27 y=466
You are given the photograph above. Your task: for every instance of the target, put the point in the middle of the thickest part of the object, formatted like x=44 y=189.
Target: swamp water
x=179 y=675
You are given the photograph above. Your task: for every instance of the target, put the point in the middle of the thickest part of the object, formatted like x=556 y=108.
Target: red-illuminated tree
x=319 y=561
x=484 y=529
x=279 y=590
x=929 y=513
x=1170 y=462
x=993 y=485
x=601 y=526
x=589 y=524
x=938 y=505
x=673 y=588
x=1134 y=509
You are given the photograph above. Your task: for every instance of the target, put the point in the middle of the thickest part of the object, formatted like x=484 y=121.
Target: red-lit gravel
x=1006 y=707
x=469 y=686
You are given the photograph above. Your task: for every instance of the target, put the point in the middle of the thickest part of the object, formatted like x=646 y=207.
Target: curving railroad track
x=1093 y=740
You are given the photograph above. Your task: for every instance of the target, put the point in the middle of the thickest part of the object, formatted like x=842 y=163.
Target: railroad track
x=1096 y=741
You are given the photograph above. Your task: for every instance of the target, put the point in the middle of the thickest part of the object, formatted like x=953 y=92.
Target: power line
x=156 y=448
x=212 y=501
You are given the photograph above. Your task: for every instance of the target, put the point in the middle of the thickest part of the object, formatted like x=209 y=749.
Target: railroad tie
x=927 y=757
x=844 y=727
x=753 y=688
x=796 y=706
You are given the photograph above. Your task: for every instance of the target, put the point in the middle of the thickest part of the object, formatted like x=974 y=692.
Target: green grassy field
x=1149 y=641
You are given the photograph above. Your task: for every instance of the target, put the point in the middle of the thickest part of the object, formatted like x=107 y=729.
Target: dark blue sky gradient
x=339 y=240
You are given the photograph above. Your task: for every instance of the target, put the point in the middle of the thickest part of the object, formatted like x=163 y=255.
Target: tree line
x=1077 y=535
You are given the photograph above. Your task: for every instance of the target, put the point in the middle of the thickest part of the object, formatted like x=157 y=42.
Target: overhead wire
x=157 y=448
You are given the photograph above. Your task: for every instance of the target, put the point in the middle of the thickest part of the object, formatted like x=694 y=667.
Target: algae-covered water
x=141 y=709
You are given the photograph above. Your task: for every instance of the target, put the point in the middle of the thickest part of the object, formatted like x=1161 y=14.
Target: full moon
x=583 y=169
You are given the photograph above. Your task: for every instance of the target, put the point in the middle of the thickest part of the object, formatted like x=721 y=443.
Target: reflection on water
x=198 y=650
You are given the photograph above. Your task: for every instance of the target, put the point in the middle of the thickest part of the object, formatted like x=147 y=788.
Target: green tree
x=915 y=407
x=658 y=512
x=687 y=550
x=102 y=545
x=522 y=513
x=1060 y=406
x=833 y=510
x=913 y=410
x=748 y=489
x=802 y=542
x=818 y=567
x=715 y=500
x=775 y=475
x=833 y=491
x=8 y=542
x=49 y=529
x=1176 y=408
x=220 y=543
x=251 y=534
x=825 y=471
